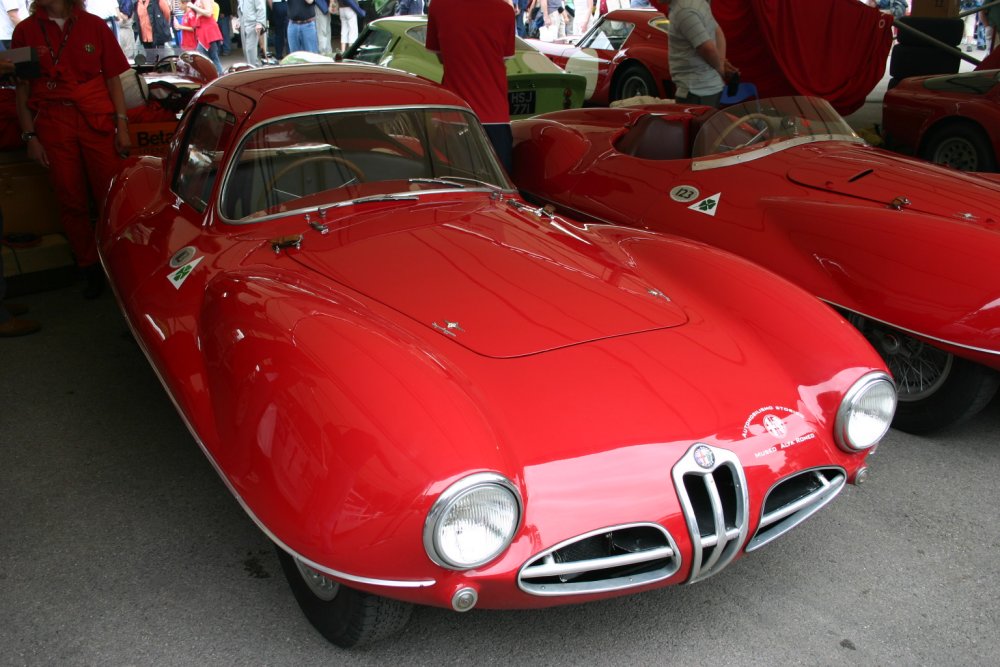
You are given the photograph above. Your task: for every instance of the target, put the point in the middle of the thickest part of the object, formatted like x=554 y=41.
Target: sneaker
x=14 y=327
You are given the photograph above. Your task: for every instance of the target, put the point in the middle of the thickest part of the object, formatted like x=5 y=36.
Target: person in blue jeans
x=302 y=35
x=279 y=22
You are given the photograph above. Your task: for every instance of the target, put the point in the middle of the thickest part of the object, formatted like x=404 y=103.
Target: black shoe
x=95 y=281
x=15 y=309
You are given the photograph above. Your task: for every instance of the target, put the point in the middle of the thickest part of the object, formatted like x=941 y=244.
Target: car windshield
x=371 y=47
x=418 y=33
x=607 y=35
x=340 y=157
x=755 y=128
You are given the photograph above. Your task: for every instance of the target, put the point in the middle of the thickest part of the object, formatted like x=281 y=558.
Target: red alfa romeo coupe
x=906 y=250
x=425 y=390
x=951 y=119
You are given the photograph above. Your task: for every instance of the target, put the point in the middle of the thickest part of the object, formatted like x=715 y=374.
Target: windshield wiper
x=436 y=181
x=375 y=198
x=458 y=180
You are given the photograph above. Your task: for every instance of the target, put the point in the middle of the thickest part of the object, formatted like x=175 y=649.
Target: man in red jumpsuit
x=72 y=116
x=473 y=38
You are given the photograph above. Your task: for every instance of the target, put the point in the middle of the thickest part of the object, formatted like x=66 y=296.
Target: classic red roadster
x=904 y=249
x=425 y=390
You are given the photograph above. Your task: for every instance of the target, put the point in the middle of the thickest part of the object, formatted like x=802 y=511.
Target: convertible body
x=905 y=249
x=425 y=390
x=534 y=84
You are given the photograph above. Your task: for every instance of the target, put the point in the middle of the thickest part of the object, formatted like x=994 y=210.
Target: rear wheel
x=345 y=616
x=935 y=388
x=960 y=146
x=634 y=80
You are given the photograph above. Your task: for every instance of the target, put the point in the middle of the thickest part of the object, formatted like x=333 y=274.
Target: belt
x=306 y=21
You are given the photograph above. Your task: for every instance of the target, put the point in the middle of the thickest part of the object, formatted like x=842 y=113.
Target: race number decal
x=178 y=277
x=708 y=205
x=684 y=193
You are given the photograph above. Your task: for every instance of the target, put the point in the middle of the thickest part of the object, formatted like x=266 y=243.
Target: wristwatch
x=28 y=136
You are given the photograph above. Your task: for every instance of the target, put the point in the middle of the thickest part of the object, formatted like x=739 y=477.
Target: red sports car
x=623 y=55
x=951 y=119
x=905 y=249
x=425 y=390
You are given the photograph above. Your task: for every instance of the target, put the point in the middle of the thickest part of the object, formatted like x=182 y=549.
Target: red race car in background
x=425 y=390
x=950 y=119
x=906 y=250
x=624 y=54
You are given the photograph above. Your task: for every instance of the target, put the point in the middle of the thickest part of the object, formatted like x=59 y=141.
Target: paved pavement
x=120 y=546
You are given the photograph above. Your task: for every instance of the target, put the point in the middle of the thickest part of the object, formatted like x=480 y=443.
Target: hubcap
x=321 y=586
x=957 y=153
x=634 y=86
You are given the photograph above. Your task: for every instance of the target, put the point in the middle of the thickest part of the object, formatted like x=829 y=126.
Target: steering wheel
x=301 y=162
x=735 y=124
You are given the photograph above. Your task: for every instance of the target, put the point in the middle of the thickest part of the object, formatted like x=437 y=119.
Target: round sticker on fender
x=684 y=193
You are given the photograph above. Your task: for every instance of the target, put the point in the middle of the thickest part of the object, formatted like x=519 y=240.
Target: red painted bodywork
x=645 y=46
x=315 y=381
x=911 y=112
x=819 y=214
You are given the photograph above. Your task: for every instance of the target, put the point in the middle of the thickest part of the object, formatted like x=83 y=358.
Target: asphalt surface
x=119 y=545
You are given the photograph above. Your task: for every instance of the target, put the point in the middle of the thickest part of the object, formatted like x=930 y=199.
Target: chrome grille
x=714 y=500
x=793 y=500
x=607 y=559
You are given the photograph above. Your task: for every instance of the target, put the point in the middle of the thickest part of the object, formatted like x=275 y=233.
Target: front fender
x=337 y=428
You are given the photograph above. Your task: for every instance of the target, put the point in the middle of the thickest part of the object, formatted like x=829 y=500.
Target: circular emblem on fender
x=88 y=47
x=775 y=425
x=703 y=456
x=684 y=193
x=182 y=256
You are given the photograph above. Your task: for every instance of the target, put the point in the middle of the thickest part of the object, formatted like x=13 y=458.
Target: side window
x=609 y=36
x=372 y=45
x=201 y=156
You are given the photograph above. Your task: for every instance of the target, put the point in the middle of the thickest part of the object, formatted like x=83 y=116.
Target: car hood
x=877 y=176
x=498 y=281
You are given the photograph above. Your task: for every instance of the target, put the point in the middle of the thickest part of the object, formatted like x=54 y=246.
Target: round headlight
x=472 y=522
x=866 y=412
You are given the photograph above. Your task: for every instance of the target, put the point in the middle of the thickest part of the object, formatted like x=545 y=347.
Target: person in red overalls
x=72 y=116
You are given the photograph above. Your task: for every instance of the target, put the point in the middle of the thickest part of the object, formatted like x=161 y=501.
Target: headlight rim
x=444 y=502
x=863 y=384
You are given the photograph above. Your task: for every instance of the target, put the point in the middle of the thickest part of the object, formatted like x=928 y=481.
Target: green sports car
x=534 y=83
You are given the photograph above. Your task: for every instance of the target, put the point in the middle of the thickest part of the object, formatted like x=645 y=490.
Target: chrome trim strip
x=789 y=520
x=917 y=334
x=394 y=583
x=576 y=567
x=551 y=568
x=706 y=163
x=726 y=542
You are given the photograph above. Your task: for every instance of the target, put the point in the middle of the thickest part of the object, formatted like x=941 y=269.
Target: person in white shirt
x=107 y=10
x=14 y=11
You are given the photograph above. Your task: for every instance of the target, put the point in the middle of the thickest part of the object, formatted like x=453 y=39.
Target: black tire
x=344 y=616
x=962 y=146
x=634 y=80
x=908 y=61
x=947 y=30
x=935 y=388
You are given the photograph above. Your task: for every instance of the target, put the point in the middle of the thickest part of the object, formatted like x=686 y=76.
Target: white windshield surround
x=757 y=128
x=301 y=162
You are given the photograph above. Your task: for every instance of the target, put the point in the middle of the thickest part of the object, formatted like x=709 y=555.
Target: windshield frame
x=250 y=132
x=831 y=126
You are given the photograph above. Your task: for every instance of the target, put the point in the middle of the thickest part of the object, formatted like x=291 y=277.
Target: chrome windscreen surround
x=712 y=488
x=794 y=499
x=607 y=559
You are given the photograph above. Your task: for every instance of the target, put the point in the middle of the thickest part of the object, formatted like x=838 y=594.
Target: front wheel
x=935 y=388
x=634 y=80
x=345 y=616
x=962 y=147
